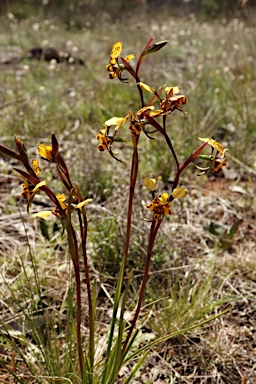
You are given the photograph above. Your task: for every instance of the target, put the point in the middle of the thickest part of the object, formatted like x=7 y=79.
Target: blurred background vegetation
x=95 y=9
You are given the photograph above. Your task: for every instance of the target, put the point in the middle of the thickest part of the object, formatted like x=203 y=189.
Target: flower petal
x=80 y=205
x=150 y=183
x=214 y=144
x=115 y=121
x=43 y=214
x=116 y=49
x=37 y=187
x=164 y=198
x=25 y=193
x=146 y=87
x=61 y=197
x=129 y=57
x=178 y=193
x=147 y=108
x=170 y=91
x=45 y=151
x=35 y=166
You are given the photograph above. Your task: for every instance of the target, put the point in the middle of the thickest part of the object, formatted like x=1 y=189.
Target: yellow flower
x=104 y=140
x=46 y=152
x=160 y=206
x=114 y=68
x=61 y=198
x=172 y=100
x=116 y=51
x=214 y=144
x=27 y=189
x=217 y=158
x=104 y=136
x=218 y=164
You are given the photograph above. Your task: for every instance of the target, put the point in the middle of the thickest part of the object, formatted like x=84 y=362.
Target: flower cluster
x=164 y=101
x=114 y=67
x=172 y=100
x=106 y=138
x=161 y=205
x=217 y=159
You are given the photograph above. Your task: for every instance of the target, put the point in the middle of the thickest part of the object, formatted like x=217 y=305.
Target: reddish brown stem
x=133 y=178
x=75 y=260
x=83 y=231
x=153 y=232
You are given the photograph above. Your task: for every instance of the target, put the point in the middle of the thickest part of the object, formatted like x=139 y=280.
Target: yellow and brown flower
x=217 y=159
x=114 y=67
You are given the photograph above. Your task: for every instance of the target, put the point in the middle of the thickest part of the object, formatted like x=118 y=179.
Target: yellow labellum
x=35 y=167
x=37 y=187
x=43 y=214
x=178 y=193
x=150 y=183
x=163 y=199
